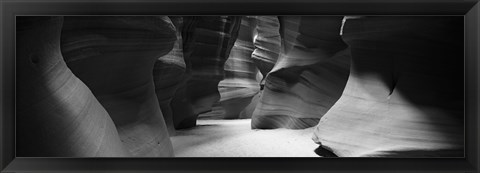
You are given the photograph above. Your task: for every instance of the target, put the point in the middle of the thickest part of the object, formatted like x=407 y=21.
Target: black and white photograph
x=235 y=86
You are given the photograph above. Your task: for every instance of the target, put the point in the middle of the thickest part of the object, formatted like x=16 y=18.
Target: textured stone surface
x=240 y=83
x=113 y=86
x=267 y=43
x=308 y=77
x=57 y=115
x=168 y=74
x=267 y=48
x=114 y=56
x=207 y=41
x=404 y=96
x=247 y=112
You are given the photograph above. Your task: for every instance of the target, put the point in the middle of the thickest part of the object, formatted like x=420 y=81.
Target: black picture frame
x=10 y=8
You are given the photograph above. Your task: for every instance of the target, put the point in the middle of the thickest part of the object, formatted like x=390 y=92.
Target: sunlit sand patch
x=235 y=138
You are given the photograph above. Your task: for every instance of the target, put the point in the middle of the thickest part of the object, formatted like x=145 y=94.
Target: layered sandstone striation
x=308 y=77
x=207 y=41
x=168 y=75
x=267 y=46
x=240 y=83
x=404 y=95
x=120 y=86
x=57 y=114
x=267 y=43
x=115 y=56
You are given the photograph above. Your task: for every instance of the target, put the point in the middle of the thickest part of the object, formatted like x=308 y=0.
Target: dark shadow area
x=421 y=153
x=324 y=152
x=429 y=47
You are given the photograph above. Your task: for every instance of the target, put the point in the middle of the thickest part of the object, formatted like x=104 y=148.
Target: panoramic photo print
x=240 y=86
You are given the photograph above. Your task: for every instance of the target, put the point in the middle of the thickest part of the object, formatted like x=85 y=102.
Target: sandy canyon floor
x=235 y=138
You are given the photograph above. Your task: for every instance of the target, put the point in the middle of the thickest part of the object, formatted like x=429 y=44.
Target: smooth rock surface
x=168 y=75
x=267 y=42
x=114 y=56
x=267 y=48
x=207 y=41
x=57 y=114
x=308 y=77
x=240 y=83
x=247 y=112
x=404 y=95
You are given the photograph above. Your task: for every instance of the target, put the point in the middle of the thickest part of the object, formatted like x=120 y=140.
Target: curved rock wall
x=114 y=56
x=207 y=42
x=267 y=42
x=111 y=86
x=168 y=73
x=240 y=83
x=308 y=77
x=267 y=47
x=404 y=96
x=57 y=114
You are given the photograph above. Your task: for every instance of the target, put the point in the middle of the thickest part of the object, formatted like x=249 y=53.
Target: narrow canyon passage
x=240 y=86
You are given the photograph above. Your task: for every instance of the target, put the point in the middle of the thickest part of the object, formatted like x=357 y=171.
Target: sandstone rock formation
x=168 y=74
x=119 y=86
x=308 y=77
x=57 y=114
x=404 y=95
x=114 y=56
x=267 y=42
x=207 y=41
x=267 y=47
x=240 y=83
x=247 y=112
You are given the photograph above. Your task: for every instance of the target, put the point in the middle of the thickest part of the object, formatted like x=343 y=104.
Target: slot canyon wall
x=308 y=76
x=169 y=73
x=59 y=114
x=115 y=57
x=267 y=47
x=241 y=81
x=404 y=95
x=207 y=42
x=112 y=86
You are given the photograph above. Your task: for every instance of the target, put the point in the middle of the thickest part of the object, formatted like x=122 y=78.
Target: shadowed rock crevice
x=240 y=83
x=324 y=152
x=207 y=42
x=308 y=77
x=168 y=73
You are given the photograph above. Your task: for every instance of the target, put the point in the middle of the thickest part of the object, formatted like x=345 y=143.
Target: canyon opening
x=240 y=86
